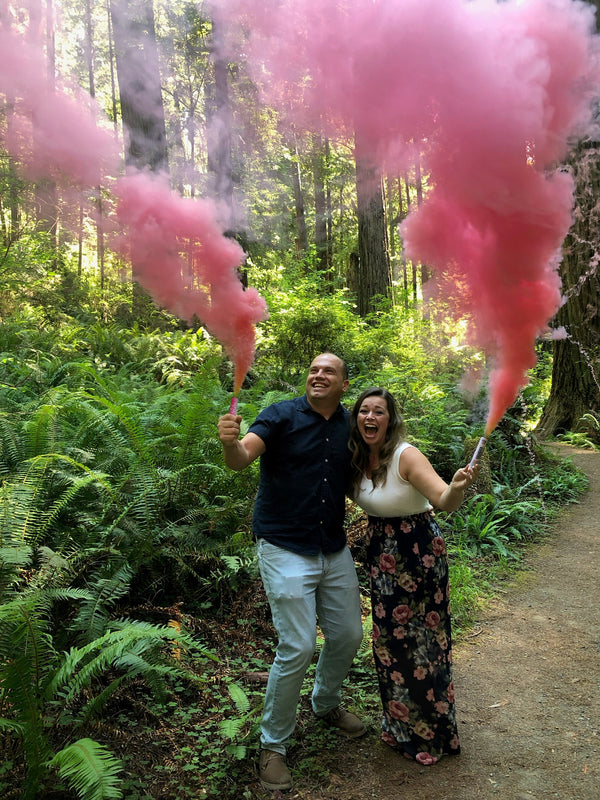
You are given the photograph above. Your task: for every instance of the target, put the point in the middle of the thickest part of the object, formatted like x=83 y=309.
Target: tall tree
x=374 y=271
x=46 y=194
x=299 y=212
x=89 y=58
x=218 y=124
x=575 y=388
x=322 y=213
x=140 y=93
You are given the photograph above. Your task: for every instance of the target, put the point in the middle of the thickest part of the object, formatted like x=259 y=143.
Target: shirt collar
x=306 y=406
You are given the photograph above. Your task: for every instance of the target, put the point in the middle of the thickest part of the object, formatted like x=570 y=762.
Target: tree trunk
x=413 y=266
x=419 y=184
x=46 y=195
x=219 y=130
x=392 y=217
x=329 y=211
x=575 y=388
x=299 y=215
x=140 y=92
x=142 y=111
x=100 y=249
x=321 y=217
x=402 y=212
x=374 y=274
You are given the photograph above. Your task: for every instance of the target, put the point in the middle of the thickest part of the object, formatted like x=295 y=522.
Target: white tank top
x=396 y=498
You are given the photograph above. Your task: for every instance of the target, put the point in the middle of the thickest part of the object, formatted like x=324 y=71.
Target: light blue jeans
x=303 y=590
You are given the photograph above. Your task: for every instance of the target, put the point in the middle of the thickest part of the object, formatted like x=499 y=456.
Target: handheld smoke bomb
x=233 y=405
x=478 y=451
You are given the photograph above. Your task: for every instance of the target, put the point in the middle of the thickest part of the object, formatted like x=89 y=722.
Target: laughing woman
x=408 y=567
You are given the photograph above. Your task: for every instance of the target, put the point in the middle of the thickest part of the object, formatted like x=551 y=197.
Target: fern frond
x=128 y=416
x=90 y=769
x=239 y=697
x=21 y=513
x=12 y=726
x=83 y=664
x=230 y=728
x=104 y=592
x=11 y=445
x=75 y=483
x=13 y=559
x=40 y=431
x=94 y=707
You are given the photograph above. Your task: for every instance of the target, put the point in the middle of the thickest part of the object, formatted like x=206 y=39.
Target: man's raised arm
x=238 y=452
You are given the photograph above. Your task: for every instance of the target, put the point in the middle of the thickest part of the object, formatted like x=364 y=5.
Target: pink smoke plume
x=490 y=94
x=49 y=132
x=181 y=256
x=176 y=246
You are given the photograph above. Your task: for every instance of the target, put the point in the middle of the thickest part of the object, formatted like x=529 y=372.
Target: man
x=307 y=569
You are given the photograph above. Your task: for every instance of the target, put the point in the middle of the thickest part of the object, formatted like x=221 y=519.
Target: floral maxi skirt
x=412 y=645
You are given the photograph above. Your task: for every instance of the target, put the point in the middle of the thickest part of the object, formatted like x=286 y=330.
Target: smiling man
x=306 y=567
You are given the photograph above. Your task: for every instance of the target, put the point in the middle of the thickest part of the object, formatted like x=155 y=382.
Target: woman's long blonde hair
x=360 y=451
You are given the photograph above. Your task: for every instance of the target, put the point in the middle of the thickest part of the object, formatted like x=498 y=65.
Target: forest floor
x=527 y=681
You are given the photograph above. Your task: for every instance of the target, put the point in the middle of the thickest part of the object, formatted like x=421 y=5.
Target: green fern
x=232 y=727
x=45 y=688
x=104 y=591
x=90 y=769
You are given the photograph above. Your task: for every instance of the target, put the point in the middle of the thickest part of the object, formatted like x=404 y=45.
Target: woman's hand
x=465 y=477
x=416 y=469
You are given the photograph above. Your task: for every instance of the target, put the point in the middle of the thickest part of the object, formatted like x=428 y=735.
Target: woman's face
x=372 y=421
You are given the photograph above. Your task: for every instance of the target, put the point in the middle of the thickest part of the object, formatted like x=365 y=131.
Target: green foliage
x=302 y=324
x=90 y=769
x=587 y=434
x=243 y=726
x=114 y=491
x=44 y=688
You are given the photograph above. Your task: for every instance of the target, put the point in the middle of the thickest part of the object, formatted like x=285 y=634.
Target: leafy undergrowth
x=203 y=741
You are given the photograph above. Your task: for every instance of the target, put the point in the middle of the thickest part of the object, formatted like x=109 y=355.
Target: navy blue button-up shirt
x=304 y=475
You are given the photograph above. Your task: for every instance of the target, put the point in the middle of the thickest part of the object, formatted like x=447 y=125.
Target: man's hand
x=238 y=452
x=229 y=429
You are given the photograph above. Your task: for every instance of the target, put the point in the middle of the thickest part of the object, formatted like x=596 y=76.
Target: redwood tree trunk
x=374 y=270
x=575 y=388
x=140 y=92
x=219 y=130
x=321 y=210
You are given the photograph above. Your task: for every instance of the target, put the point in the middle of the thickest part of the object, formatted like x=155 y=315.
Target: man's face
x=326 y=382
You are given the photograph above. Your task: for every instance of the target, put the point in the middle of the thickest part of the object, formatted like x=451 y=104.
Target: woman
x=406 y=555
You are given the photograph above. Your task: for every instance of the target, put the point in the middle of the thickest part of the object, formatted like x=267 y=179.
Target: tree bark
x=46 y=194
x=299 y=214
x=374 y=274
x=140 y=92
x=321 y=211
x=219 y=130
x=575 y=389
x=100 y=249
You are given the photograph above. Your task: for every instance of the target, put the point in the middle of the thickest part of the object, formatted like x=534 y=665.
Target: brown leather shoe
x=348 y=724
x=273 y=772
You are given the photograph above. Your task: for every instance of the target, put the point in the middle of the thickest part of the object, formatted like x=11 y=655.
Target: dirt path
x=527 y=687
